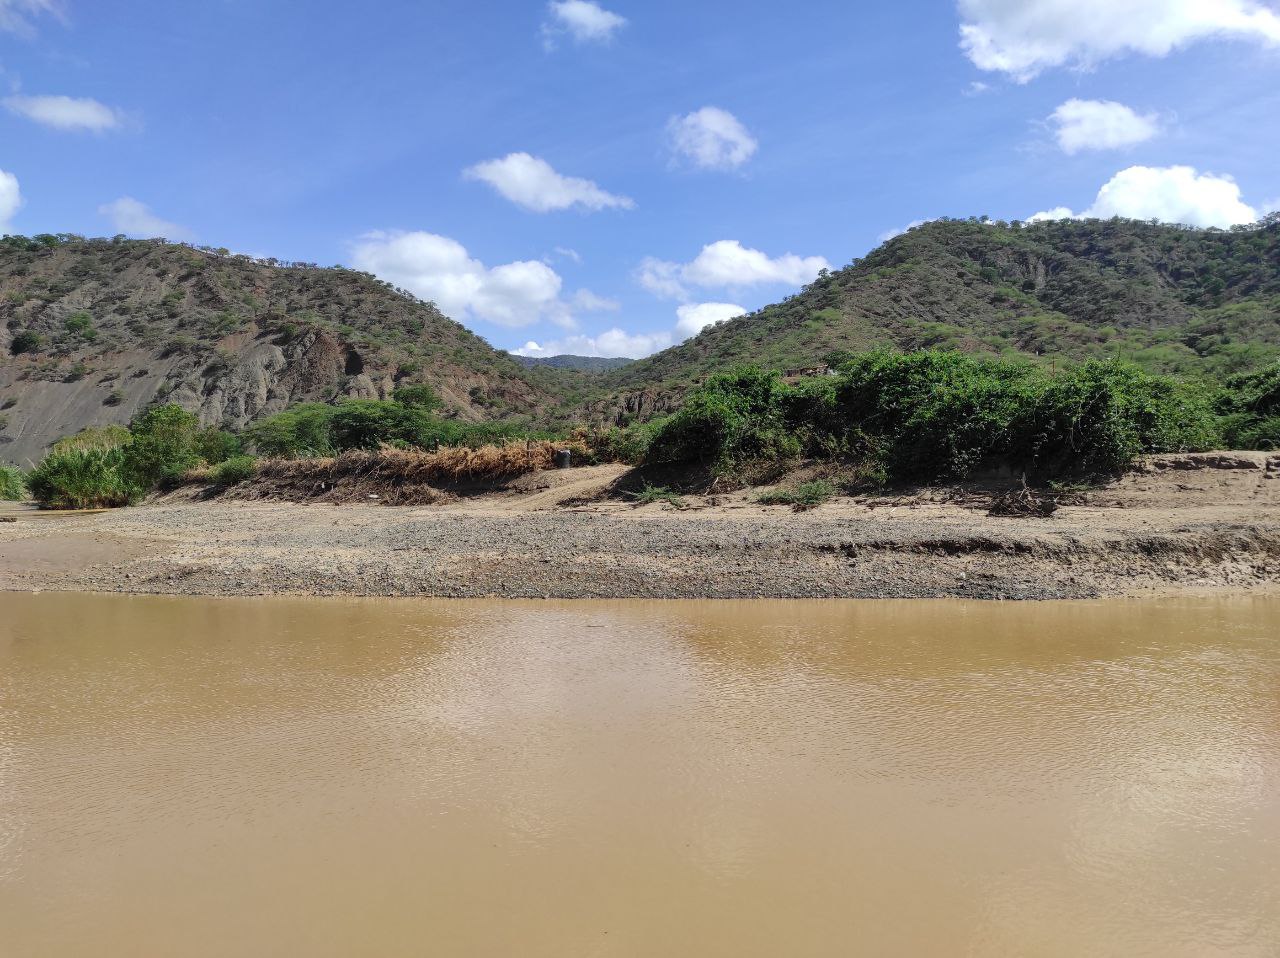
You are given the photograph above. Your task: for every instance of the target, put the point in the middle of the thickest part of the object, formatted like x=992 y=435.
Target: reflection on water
x=287 y=777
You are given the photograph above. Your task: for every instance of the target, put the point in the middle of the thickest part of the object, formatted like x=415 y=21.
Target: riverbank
x=1180 y=524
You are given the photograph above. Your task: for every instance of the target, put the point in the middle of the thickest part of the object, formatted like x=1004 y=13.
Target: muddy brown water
x=192 y=777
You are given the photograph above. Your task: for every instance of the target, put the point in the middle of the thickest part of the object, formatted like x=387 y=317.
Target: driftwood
x=1022 y=500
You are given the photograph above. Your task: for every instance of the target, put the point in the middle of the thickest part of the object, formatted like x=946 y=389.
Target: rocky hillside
x=92 y=331
x=1171 y=298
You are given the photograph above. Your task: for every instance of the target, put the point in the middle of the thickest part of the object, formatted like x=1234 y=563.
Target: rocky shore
x=1181 y=524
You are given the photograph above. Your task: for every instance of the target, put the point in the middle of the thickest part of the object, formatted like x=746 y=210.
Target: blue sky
x=606 y=177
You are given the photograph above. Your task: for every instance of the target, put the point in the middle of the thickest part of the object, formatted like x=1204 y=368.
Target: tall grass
x=83 y=479
x=13 y=486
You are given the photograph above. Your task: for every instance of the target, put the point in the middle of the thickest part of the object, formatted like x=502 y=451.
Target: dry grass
x=397 y=476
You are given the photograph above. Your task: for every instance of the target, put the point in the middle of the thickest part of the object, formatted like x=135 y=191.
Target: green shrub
x=13 y=486
x=650 y=494
x=734 y=418
x=807 y=495
x=1097 y=419
x=420 y=396
x=629 y=445
x=214 y=445
x=942 y=414
x=27 y=341
x=299 y=432
x=163 y=446
x=234 y=471
x=83 y=478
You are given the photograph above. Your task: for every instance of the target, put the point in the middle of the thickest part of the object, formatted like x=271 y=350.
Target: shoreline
x=1193 y=528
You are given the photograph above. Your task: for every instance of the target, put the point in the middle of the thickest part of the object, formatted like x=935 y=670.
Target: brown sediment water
x=218 y=777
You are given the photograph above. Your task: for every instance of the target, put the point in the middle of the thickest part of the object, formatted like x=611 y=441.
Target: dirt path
x=1183 y=524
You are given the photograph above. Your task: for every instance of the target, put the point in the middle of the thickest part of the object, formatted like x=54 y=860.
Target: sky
x=607 y=178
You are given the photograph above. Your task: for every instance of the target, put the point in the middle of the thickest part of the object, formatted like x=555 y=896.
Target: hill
x=92 y=331
x=582 y=364
x=1173 y=299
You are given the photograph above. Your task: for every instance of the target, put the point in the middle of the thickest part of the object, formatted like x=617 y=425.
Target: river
x=245 y=777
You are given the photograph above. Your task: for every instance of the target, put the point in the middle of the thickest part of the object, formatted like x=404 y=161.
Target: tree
x=164 y=445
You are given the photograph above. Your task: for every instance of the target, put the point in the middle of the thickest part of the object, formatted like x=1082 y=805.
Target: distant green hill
x=1170 y=298
x=583 y=364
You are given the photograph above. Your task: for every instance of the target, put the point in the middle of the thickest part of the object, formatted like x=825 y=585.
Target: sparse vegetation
x=651 y=494
x=805 y=496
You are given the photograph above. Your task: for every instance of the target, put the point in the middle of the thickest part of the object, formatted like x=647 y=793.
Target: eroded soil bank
x=1193 y=524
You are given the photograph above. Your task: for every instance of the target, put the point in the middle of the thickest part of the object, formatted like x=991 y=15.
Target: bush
x=942 y=414
x=807 y=495
x=214 y=445
x=420 y=396
x=27 y=341
x=297 y=433
x=13 y=486
x=163 y=446
x=734 y=418
x=629 y=445
x=234 y=471
x=83 y=478
x=1097 y=419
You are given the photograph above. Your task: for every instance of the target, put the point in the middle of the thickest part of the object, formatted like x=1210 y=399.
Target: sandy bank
x=1182 y=524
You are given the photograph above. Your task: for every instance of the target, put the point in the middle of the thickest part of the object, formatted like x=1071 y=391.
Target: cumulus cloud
x=694 y=318
x=10 y=200
x=16 y=15
x=532 y=183
x=611 y=343
x=1022 y=38
x=727 y=264
x=711 y=139
x=130 y=216
x=890 y=234
x=691 y=320
x=1174 y=194
x=583 y=20
x=586 y=301
x=65 y=112
x=1100 y=125
x=440 y=269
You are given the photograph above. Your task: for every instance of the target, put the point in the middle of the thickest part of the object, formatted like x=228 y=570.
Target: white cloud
x=585 y=21
x=711 y=139
x=588 y=302
x=16 y=15
x=1025 y=37
x=1057 y=213
x=890 y=234
x=65 y=112
x=727 y=264
x=440 y=269
x=531 y=182
x=129 y=216
x=693 y=319
x=1174 y=194
x=10 y=200
x=611 y=343
x=1101 y=125
x=569 y=254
